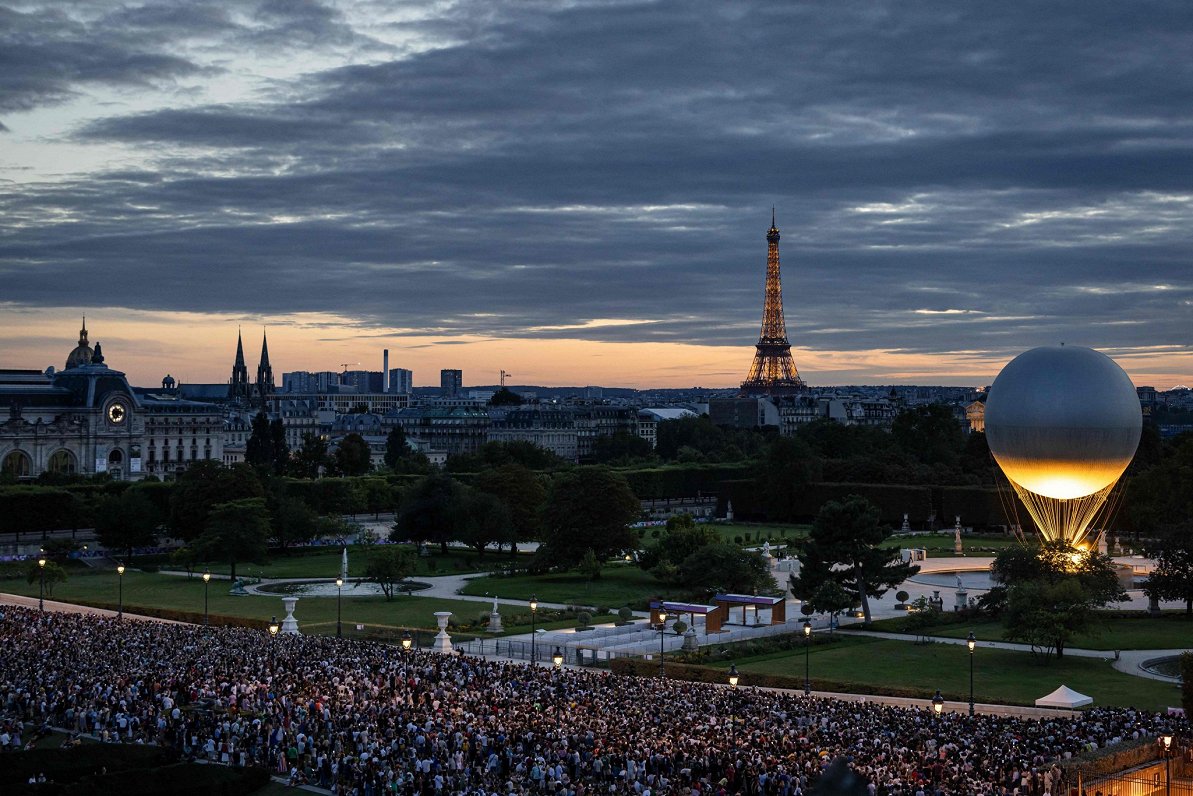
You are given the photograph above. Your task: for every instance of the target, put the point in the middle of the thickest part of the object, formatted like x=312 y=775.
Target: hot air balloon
x=1063 y=423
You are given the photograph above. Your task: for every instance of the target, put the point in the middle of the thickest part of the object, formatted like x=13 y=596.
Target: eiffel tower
x=773 y=371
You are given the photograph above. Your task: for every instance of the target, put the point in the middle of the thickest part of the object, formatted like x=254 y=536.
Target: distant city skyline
x=579 y=192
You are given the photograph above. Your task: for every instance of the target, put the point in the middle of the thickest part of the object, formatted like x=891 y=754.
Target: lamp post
x=407 y=640
x=937 y=704
x=971 y=642
x=534 y=606
x=206 y=580
x=807 y=650
x=662 y=638
x=120 y=582
x=1167 y=739
x=339 y=607
x=274 y=627
x=557 y=658
x=41 y=595
x=733 y=678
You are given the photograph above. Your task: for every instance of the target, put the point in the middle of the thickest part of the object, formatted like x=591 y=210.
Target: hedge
x=640 y=667
x=69 y=765
x=189 y=617
x=684 y=481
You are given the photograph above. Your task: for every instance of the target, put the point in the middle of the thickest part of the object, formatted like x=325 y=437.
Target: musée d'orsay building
x=87 y=419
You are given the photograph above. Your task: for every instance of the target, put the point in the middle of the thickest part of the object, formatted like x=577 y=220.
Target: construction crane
x=344 y=365
x=503 y=377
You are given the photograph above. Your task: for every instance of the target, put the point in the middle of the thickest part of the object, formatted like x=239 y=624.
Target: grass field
x=316 y=615
x=619 y=585
x=324 y=562
x=1172 y=630
x=940 y=545
x=1000 y=675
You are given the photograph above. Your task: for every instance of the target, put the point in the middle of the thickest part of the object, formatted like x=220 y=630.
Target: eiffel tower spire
x=773 y=371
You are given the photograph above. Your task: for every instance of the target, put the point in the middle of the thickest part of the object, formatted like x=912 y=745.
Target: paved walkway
x=72 y=608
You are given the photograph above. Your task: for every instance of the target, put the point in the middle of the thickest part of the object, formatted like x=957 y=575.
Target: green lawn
x=316 y=615
x=1172 y=630
x=1001 y=675
x=324 y=562
x=940 y=545
x=619 y=585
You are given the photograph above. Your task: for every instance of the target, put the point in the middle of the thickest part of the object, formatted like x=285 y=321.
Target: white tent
x=1063 y=697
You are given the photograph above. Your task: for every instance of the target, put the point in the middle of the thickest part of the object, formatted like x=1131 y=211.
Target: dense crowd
x=367 y=719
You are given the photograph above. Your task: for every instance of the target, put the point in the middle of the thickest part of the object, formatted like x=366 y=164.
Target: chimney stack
x=385 y=371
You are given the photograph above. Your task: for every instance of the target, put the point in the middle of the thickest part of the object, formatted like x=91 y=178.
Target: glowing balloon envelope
x=1063 y=423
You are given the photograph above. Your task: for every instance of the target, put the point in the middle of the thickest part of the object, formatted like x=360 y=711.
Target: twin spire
x=239 y=388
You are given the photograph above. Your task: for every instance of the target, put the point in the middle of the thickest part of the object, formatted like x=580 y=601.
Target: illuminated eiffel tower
x=773 y=371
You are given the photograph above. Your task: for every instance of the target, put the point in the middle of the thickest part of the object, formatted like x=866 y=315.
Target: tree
x=506 y=397
x=1047 y=614
x=725 y=567
x=293 y=521
x=831 y=598
x=258 y=451
x=311 y=459
x=53 y=573
x=788 y=467
x=922 y=615
x=590 y=565
x=844 y=546
x=431 y=512
x=353 y=456
x=484 y=521
x=521 y=492
x=1172 y=578
x=495 y=454
x=279 y=448
x=682 y=538
x=397 y=450
x=125 y=521
x=589 y=507
x=236 y=531
x=928 y=434
x=203 y=485
x=186 y=557
x=389 y=567
x=1052 y=591
x=619 y=447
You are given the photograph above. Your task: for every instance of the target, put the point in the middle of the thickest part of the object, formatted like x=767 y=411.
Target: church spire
x=238 y=386
x=239 y=350
x=264 y=371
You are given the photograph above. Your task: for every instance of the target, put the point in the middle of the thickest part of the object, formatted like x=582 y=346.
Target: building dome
x=82 y=353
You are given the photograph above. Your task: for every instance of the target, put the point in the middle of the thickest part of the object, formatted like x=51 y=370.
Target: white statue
x=766 y=549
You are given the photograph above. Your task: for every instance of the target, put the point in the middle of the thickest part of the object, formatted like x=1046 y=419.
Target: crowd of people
x=368 y=719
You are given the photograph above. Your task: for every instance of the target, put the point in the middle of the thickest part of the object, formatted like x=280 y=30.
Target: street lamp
x=534 y=606
x=733 y=678
x=206 y=580
x=407 y=640
x=971 y=642
x=120 y=581
x=937 y=704
x=41 y=595
x=274 y=627
x=1167 y=739
x=662 y=638
x=557 y=658
x=339 y=607
x=807 y=649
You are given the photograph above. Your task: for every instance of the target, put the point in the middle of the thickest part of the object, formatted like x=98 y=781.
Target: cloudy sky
x=578 y=192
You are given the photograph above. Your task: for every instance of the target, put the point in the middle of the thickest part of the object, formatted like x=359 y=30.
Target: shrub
x=583 y=618
x=625 y=614
x=902 y=596
x=680 y=628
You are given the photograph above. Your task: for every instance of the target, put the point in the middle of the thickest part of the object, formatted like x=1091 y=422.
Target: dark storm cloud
x=948 y=177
